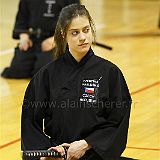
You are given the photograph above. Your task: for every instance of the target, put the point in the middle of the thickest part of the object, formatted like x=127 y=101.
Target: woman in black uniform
x=82 y=100
x=34 y=26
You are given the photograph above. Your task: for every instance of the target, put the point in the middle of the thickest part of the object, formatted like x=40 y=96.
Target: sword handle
x=41 y=153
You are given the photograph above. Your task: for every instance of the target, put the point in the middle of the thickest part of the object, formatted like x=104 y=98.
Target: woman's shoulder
x=106 y=63
x=49 y=68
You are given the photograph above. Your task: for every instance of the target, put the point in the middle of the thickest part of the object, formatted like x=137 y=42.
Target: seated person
x=34 y=26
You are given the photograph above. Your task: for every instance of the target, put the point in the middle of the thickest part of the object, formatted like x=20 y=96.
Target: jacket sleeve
x=33 y=114
x=109 y=140
x=22 y=19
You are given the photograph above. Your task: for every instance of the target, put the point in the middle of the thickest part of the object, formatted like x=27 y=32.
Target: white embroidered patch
x=90 y=90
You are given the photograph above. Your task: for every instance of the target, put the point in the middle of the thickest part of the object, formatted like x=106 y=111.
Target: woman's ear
x=62 y=34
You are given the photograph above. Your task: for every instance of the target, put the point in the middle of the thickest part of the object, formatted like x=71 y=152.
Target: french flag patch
x=89 y=90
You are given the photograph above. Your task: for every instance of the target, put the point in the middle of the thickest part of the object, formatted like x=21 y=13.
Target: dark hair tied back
x=67 y=14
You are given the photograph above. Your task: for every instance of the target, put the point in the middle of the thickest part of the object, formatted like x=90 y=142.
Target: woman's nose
x=82 y=36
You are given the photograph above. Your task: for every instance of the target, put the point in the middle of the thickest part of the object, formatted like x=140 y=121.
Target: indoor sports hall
x=128 y=34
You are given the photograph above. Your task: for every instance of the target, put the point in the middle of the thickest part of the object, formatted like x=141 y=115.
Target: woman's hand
x=59 y=149
x=77 y=149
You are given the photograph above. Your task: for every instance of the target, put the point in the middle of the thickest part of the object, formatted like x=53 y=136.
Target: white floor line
x=7 y=51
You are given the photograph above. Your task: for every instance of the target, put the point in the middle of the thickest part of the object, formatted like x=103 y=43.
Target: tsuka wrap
x=41 y=153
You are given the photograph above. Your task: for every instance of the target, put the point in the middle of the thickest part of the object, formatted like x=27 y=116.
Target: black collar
x=72 y=61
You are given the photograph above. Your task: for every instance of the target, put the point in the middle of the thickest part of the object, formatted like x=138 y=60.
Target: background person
x=34 y=26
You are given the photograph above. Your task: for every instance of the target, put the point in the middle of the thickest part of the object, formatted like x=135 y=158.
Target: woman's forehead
x=79 y=22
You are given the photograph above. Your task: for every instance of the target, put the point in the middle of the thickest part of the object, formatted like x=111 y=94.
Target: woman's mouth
x=83 y=44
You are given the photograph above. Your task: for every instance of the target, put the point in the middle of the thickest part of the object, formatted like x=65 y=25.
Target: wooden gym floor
x=131 y=28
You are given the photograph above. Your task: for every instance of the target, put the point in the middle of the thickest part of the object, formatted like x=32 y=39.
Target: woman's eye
x=74 y=33
x=86 y=30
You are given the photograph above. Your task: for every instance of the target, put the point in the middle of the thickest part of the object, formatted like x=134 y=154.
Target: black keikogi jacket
x=39 y=17
x=86 y=100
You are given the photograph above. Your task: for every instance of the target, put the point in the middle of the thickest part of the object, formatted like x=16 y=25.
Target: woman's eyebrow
x=73 y=29
x=86 y=26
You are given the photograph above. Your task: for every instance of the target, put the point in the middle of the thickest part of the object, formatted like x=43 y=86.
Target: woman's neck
x=78 y=56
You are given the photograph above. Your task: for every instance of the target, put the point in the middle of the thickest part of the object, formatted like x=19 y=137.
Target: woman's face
x=79 y=35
